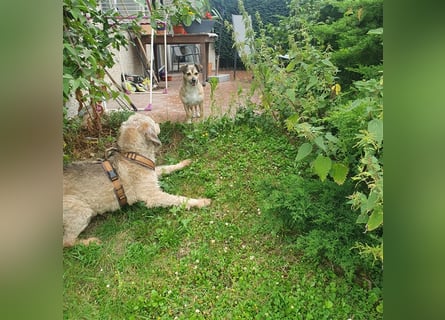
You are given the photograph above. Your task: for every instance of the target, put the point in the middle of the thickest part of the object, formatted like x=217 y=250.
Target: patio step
x=221 y=77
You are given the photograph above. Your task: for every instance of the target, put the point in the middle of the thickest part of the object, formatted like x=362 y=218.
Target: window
x=126 y=8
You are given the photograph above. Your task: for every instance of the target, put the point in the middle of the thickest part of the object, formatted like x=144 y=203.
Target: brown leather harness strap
x=118 y=188
x=139 y=159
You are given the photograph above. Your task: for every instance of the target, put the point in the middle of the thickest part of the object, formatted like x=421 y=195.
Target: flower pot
x=205 y=26
x=160 y=28
x=179 y=29
x=146 y=28
x=169 y=78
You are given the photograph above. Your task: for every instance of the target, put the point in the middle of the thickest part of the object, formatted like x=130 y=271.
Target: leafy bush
x=71 y=131
x=79 y=143
x=339 y=133
x=322 y=222
x=344 y=27
x=89 y=38
x=113 y=120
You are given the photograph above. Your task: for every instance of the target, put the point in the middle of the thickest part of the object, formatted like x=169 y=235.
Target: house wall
x=126 y=61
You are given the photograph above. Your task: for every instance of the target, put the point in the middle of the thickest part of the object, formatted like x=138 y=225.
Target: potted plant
x=181 y=16
x=205 y=24
x=191 y=14
x=183 y=12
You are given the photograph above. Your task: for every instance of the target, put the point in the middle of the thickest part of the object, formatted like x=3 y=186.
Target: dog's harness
x=118 y=188
x=141 y=160
x=114 y=177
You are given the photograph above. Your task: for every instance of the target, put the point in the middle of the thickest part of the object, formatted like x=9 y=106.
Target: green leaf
x=291 y=66
x=312 y=82
x=379 y=308
x=319 y=141
x=375 y=127
x=75 y=12
x=331 y=138
x=375 y=31
x=322 y=166
x=290 y=93
x=292 y=121
x=67 y=85
x=304 y=150
x=328 y=304
x=115 y=94
x=187 y=21
x=327 y=62
x=71 y=50
x=363 y=218
x=339 y=172
x=363 y=203
x=372 y=199
x=375 y=219
x=127 y=98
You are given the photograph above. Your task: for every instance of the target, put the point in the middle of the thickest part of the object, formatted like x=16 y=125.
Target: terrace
x=167 y=106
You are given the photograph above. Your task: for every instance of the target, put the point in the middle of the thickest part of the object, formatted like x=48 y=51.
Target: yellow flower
x=336 y=89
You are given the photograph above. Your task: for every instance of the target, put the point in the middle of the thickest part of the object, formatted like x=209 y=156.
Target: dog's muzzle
x=194 y=82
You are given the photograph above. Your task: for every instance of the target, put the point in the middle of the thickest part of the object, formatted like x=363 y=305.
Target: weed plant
x=80 y=143
x=238 y=258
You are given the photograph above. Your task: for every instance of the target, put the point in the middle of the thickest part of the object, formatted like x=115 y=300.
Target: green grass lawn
x=227 y=261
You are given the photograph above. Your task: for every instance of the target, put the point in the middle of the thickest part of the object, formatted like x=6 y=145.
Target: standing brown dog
x=192 y=92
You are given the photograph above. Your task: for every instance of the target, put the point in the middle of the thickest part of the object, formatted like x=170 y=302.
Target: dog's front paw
x=204 y=202
x=198 y=203
x=87 y=242
x=186 y=162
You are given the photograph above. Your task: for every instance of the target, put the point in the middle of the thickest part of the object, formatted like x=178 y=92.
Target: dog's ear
x=184 y=68
x=126 y=135
x=198 y=67
x=151 y=133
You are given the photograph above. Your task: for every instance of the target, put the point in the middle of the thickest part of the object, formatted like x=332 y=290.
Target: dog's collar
x=140 y=159
x=133 y=156
x=118 y=188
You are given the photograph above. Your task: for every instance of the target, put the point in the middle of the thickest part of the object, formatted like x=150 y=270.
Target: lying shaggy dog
x=130 y=175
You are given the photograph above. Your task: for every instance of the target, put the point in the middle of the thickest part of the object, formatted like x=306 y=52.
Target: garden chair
x=185 y=54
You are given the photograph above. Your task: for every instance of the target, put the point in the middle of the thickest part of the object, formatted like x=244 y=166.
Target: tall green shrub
x=340 y=134
x=323 y=223
x=351 y=29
